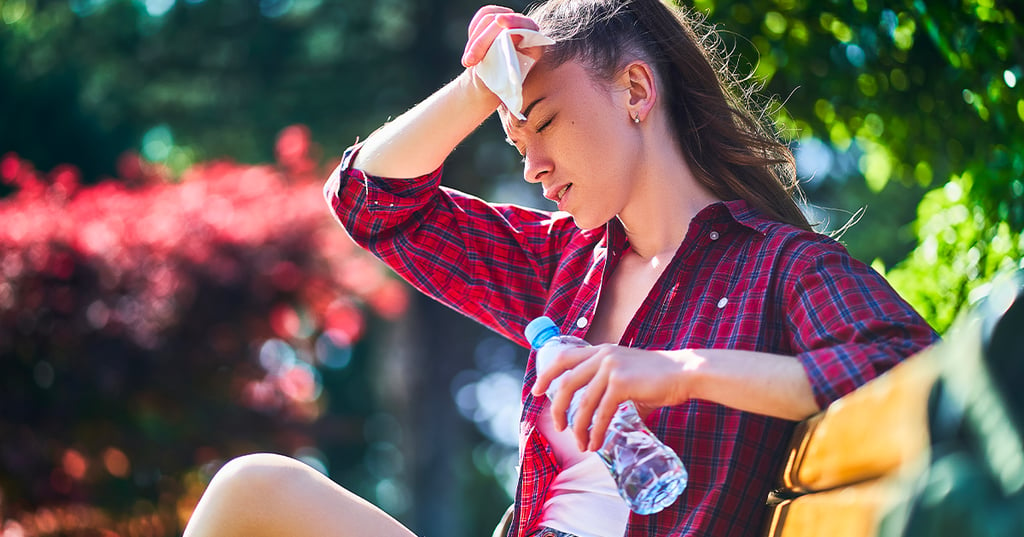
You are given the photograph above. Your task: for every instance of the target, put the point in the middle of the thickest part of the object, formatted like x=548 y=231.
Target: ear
x=639 y=80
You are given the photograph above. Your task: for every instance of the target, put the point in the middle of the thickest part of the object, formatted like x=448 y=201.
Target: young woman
x=678 y=251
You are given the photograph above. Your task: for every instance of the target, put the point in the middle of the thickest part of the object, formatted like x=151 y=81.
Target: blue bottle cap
x=540 y=330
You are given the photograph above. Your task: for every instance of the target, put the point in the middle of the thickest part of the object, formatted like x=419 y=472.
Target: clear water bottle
x=649 y=474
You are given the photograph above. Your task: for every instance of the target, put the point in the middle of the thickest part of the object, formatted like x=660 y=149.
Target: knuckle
x=563 y=399
x=563 y=361
x=610 y=364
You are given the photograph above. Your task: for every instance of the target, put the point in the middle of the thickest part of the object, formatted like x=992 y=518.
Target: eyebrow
x=526 y=112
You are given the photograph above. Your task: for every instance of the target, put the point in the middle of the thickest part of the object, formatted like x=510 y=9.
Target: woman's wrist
x=478 y=92
x=688 y=377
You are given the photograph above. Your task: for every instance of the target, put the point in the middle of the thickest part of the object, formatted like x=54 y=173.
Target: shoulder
x=789 y=243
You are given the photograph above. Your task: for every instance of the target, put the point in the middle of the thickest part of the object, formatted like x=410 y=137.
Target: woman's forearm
x=764 y=383
x=418 y=141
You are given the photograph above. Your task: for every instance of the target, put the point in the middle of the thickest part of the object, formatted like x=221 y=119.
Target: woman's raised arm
x=418 y=141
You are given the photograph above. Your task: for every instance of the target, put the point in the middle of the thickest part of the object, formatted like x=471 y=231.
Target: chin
x=587 y=224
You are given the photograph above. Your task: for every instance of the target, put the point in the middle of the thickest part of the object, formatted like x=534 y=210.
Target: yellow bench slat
x=871 y=432
x=852 y=511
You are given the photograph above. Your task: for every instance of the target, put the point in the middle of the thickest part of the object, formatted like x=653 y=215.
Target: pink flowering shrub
x=151 y=328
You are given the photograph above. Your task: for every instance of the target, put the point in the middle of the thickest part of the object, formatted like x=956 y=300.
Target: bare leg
x=273 y=495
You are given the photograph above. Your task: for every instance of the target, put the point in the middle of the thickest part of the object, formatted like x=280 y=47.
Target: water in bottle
x=649 y=474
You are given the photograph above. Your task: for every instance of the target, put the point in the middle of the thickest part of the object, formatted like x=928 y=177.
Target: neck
x=665 y=199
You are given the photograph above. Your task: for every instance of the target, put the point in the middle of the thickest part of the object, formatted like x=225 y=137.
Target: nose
x=535 y=166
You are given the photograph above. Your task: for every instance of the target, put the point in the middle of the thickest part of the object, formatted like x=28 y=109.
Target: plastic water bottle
x=649 y=474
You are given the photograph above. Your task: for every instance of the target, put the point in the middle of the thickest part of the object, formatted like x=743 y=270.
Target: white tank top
x=583 y=499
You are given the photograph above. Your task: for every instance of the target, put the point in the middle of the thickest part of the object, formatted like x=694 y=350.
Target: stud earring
x=636 y=118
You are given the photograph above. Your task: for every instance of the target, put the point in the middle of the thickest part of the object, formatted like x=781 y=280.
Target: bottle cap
x=540 y=330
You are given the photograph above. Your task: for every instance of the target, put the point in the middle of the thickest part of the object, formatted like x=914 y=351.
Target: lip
x=562 y=203
x=552 y=193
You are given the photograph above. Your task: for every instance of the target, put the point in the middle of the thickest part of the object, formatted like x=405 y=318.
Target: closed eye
x=545 y=124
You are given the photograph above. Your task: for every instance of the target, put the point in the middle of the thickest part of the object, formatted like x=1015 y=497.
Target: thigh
x=268 y=495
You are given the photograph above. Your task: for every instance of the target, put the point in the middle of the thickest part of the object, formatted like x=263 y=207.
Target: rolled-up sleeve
x=365 y=205
x=848 y=324
x=492 y=262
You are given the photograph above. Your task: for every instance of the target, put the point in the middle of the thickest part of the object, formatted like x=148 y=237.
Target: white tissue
x=504 y=68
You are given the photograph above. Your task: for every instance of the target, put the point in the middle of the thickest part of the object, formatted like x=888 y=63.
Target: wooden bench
x=932 y=447
x=849 y=463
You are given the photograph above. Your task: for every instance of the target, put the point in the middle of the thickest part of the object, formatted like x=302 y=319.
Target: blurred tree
x=184 y=82
x=151 y=330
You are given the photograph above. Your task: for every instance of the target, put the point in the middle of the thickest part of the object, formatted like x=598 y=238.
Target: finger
x=477 y=47
x=545 y=376
x=534 y=52
x=516 y=20
x=603 y=414
x=586 y=417
x=560 y=406
x=567 y=358
x=479 y=25
x=482 y=14
x=575 y=379
x=487 y=29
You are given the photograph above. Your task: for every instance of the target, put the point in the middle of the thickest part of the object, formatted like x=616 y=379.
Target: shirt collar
x=748 y=216
x=724 y=212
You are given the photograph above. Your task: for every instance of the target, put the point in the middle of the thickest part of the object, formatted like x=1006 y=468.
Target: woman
x=678 y=251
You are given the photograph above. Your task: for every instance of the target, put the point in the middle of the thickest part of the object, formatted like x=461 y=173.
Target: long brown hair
x=734 y=154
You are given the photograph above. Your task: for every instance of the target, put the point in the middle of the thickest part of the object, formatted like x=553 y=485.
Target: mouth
x=557 y=195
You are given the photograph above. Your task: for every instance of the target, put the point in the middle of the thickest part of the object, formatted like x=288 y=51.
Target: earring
x=636 y=118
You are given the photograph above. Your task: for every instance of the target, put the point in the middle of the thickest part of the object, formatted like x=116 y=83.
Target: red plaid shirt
x=739 y=281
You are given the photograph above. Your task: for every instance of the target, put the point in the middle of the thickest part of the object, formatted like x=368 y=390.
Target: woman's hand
x=418 y=141
x=487 y=23
x=764 y=383
x=610 y=375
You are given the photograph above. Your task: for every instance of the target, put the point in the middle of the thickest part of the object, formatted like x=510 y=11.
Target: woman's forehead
x=545 y=80
x=545 y=71
x=566 y=84
x=538 y=84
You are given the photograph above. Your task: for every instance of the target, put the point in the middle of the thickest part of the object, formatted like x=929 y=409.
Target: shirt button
x=723 y=302
x=714 y=235
x=581 y=322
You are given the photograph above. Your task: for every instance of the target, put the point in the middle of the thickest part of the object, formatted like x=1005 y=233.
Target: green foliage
x=962 y=247
x=910 y=96
x=969 y=230
x=221 y=76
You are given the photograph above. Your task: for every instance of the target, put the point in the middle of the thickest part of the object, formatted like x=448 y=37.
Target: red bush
x=146 y=311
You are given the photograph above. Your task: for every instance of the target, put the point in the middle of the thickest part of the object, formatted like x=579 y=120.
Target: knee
x=259 y=475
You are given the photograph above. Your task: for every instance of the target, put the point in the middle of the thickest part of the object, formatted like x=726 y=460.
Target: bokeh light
x=490 y=397
x=116 y=462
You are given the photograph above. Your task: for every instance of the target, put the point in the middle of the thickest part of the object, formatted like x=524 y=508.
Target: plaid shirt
x=738 y=281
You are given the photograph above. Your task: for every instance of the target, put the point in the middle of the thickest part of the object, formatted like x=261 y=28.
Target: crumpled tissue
x=504 y=68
